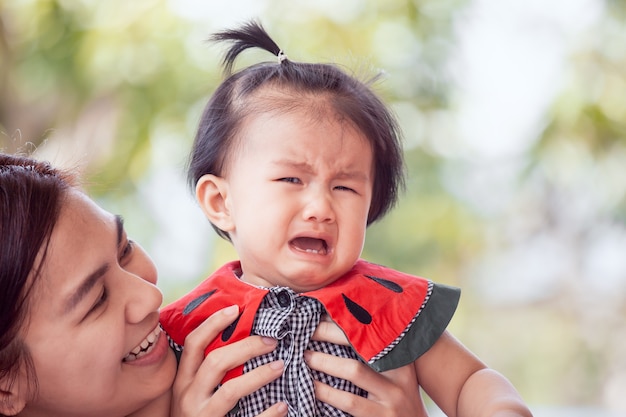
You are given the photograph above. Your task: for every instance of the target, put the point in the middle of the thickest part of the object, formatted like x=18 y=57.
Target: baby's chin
x=301 y=275
x=301 y=284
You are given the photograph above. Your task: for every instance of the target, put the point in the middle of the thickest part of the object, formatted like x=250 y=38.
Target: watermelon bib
x=390 y=318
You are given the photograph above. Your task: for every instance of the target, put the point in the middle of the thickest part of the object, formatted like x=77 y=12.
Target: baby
x=292 y=161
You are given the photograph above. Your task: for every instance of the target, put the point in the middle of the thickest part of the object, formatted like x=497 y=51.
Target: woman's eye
x=104 y=295
x=127 y=250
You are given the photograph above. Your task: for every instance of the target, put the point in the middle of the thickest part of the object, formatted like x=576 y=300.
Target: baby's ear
x=12 y=396
x=212 y=195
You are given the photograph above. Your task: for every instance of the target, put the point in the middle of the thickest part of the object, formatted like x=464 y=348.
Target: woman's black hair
x=285 y=85
x=31 y=195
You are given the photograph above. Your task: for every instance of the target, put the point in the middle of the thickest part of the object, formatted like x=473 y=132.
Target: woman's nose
x=142 y=297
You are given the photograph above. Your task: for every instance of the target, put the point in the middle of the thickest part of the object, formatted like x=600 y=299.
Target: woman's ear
x=12 y=397
x=212 y=195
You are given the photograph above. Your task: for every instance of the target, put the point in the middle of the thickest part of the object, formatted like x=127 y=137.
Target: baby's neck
x=264 y=283
x=268 y=277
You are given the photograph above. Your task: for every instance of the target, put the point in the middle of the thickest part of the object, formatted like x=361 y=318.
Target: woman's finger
x=230 y=392
x=344 y=368
x=390 y=393
x=227 y=396
x=351 y=370
x=328 y=331
x=377 y=384
x=197 y=341
x=277 y=410
x=198 y=397
x=221 y=360
x=350 y=403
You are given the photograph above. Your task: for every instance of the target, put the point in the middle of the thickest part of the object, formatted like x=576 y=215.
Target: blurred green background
x=514 y=113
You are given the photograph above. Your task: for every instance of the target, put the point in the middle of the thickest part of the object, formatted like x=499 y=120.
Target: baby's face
x=299 y=193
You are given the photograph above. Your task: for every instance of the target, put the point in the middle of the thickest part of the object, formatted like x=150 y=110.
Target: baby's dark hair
x=294 y=86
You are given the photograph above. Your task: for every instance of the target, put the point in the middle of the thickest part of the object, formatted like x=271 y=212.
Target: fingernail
x=282 y=408
x=277 y=364
x=268 y=340
x=307 y=355
x=231 y=311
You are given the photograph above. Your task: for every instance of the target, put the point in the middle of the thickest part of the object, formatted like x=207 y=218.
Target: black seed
x=390 y=285
x=357 y=311
x=193 y=304
x=228 y=332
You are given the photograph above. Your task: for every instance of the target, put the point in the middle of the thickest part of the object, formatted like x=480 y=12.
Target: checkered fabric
x=292 y=319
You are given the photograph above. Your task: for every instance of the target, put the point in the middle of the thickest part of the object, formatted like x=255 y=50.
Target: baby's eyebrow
x=302 y=166
x=305 y=167
x=353 y=175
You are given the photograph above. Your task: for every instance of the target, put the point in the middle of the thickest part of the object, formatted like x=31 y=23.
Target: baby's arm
x=463 y=386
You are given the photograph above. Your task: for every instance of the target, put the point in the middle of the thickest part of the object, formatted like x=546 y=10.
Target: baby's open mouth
x=144 y=347
x=310 y=245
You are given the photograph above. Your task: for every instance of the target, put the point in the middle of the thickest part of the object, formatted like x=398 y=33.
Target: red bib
x=372 y=304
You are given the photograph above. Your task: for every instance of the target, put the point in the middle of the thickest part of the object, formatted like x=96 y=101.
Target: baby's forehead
x=270 y=106
x=301 y=142
x=286 y=99
x=298 y=124
x=310 y=108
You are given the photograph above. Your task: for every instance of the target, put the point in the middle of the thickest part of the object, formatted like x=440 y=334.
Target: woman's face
x=93 y=330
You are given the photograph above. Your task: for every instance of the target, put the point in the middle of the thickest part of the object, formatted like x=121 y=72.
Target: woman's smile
x=150 y=350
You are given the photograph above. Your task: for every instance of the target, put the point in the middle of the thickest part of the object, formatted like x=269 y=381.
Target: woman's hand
x=393 y=393
x=194 y=391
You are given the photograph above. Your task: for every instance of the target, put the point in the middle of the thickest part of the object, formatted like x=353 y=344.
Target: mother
x=79 y=333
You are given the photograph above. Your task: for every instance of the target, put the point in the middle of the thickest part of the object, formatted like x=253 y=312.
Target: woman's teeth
x=144 y=347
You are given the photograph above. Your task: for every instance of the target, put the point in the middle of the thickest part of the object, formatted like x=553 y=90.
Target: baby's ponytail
x=249 y=35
